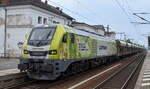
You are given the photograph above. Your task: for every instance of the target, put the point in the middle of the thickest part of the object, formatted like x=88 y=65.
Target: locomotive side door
x=72 y=45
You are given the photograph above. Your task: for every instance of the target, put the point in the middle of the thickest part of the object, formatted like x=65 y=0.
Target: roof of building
x=92 y=26
x=110 y=32
x=37 y=3
x=99 y=27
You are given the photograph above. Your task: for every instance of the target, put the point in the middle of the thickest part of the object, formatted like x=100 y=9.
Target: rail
x=124 y=74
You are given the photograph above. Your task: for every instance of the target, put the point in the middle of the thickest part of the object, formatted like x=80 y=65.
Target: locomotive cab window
x=41 y=36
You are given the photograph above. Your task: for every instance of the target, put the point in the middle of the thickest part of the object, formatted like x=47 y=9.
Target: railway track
x=86 y=79
x=121 y=78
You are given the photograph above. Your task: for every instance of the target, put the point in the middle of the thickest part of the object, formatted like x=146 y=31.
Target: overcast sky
x=108 y=12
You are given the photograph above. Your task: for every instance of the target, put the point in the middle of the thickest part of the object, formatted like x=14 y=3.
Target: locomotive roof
x=86 y=33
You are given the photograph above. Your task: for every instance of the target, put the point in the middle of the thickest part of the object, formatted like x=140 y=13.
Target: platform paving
x=8 y=72
x=6 y=64
x=143 y=81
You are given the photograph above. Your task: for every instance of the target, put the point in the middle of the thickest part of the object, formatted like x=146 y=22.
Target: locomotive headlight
x=26 y=51
x=53 y=52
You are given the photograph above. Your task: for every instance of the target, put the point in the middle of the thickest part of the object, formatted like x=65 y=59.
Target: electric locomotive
x=54 y=50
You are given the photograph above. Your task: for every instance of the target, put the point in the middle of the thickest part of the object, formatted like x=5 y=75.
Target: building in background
x=22 y=15
x=110 y=34
x=97 y=29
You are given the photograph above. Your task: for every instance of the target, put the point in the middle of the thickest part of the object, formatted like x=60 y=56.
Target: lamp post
x=5 y=33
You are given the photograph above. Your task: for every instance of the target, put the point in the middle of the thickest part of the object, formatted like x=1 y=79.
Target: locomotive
x=51 y=51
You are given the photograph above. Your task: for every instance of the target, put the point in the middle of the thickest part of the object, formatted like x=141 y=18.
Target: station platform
x=143 y=81
x=6 y=64
x=8 y=72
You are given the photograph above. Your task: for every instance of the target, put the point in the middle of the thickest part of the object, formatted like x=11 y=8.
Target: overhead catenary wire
x=73 y=12
x=137 y=30
x=124 y=11
x=127 y=15
x=129 y=7
x=91 y=11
